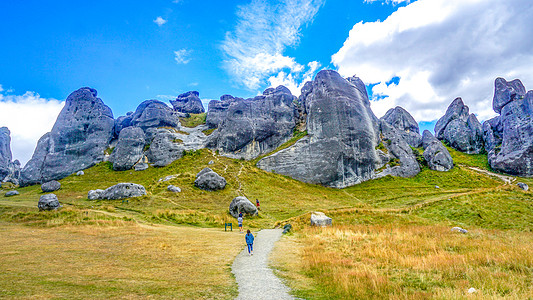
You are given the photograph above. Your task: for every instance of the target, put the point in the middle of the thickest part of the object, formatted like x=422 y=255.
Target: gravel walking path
x=255 y=279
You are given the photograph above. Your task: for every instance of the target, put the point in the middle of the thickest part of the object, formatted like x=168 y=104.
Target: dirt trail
x=504 y=178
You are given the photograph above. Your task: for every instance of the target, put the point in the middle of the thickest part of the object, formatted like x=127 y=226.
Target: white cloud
x=28 y=117
x=441 y=49
x=182 y=56
x=294 y=82
x=160 y=21
x=394 y=2
x=254 y=49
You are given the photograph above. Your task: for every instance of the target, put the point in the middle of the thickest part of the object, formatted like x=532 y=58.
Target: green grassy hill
x=374 y=223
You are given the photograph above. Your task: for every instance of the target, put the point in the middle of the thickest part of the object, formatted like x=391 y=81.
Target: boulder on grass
x=80 y=173
x=174 y=189
x=11 y=193
x=320 y=219
x=95 y=194
x=523 y=186
x=209 y=180
x=50 y=186
x=48 y=202
x=459 y=229
x=118 y=191
x=140 y=167
x=242 y=204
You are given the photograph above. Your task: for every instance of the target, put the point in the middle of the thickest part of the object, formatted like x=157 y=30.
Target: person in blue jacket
x=249 y=237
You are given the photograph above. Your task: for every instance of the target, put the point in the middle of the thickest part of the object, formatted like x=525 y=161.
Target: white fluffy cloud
x=388 y=1
x=160 y=21
x=254 y=49
x=182 y=56
x=28 y=117
x=440 y=50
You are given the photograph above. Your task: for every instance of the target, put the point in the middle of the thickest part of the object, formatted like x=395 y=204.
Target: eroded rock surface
x=77 y=141
x=436 y=155
x=188 y=103
x=117 y=192
x=5 y=152
x=50 y=186
x=242 y=204
x=48 y=202
x=129 y=149
x=209 y=180
x=402 y=120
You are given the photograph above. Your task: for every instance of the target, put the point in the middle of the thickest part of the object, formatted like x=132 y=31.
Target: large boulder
x=48 y=202
x=118 y=191
x=343 y=133
x=209 y=180
x=50 y=186
x=242 y=204
x=254 y=127
x=11 y=193
x=399 y=158
x=153 y=114
x=461 y=130
x=188 y=103
x=121 y=123
x=165 y=148
x=129 y=149
x=402 y=120
x=5 y=153
x=218 y=110
x=509 y=136
x=320 y=219
x=77 y=141
x=436 y=155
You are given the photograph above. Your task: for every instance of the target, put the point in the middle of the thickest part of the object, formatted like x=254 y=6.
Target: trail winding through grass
x=255 y=279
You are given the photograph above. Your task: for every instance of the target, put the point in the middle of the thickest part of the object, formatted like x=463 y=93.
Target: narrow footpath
x=255 y=279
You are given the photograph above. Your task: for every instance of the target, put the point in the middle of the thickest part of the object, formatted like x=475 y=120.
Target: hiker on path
x=249 y=242
x=257 y=204
x=239 y=220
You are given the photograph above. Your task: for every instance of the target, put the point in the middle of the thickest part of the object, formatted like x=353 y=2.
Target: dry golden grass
x=130 y=261
x=407 y=262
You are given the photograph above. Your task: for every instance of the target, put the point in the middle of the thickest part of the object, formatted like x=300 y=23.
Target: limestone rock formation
x=218 y=110
x=242 y=204
x=209 y=180
x=165 y=148
x=153 y=114
x=50 y=186
x=399 y=159
x=118 y=191
x=402 y=120
x=523 y=186
x=188 y=103
x=77 y=141
x=253 y=127
x=343 y=133
x=509 y=136
x=436 y=155
x=141 y=166
x=48 y=202
x=129 y=149
x=459 y=129
x=5 y=152
x=174 y=189
x=320 y=219
x=11 y=193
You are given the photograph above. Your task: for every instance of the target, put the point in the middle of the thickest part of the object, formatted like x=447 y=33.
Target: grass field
x=391 y=237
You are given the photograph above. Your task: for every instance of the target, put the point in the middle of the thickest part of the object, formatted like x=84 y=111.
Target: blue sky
x=416 y=54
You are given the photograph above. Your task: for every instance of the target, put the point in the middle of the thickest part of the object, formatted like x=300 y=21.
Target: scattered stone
x=141 y=167
x=523 y=186
x=129 y=149
x=50 y=186
x=174 y=189
x=209 y=180
x=118 y=191
x=167 y=178
x=11 y=193
x=472 y=290
x=188 y=103
x=459 y=229
x=210 y=162
x=437 y=187
x=242 y=204
x=48 y=202
x=461 y=130
x=80 y=173
x=287 y=228
x=320 y=219
x=95 y=194
x=77 y=141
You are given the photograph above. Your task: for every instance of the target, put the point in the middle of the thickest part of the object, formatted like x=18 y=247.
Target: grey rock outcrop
x=188 y=103
x=459 y=229
x=153 y=114
x=174 y=189
x=80 y=173
x=129 y=149
x=48 y=202
x=141 y=167
x=165 y=148
x=50 y=186
x=11 y=193
x=218 y=110
x=436 y=155
x=253 y=127
x=523 y=186
x=77 y=141
x=461 y=130
x=121 y=123
x=509 y=136
x=399 y=159
x=242 y=204
x=118 y=191
x=343 y=132
x=5 y=152
x=402 y=120
x=209 y=180
x=320 y=219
